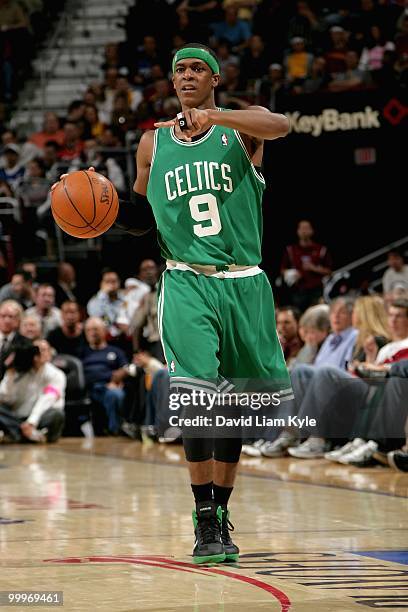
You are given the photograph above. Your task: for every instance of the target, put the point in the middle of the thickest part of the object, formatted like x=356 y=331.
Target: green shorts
x=223 y=330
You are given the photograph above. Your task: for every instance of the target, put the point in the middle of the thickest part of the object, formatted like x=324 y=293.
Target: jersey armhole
x=155 y=139
x=254 y=170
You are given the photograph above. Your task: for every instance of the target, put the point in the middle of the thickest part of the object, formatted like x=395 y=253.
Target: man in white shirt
x=137 y=288
x=10 y=317
x=32 y=398
x=44 y=309
x=396 y=273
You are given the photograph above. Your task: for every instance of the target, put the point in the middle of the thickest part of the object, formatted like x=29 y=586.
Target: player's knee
x=227 y=450
x=198 y=449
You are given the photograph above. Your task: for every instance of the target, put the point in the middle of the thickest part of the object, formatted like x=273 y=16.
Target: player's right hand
x=61 y=178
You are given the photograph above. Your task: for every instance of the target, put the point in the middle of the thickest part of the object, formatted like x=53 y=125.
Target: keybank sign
x=331 y=120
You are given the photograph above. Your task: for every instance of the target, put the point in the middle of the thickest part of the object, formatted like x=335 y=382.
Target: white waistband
x=235 y=272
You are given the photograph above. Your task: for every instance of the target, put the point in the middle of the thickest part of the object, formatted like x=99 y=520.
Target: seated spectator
x=337 y=351
x=396 y=273
x=305 y=23
x=72 y=146
x=201 y=11
x=336 y=55
x=273 y=87
x=45 y=310
x=303 y=266
x=144 y=327
x=13 y=170
x=13 y=32
x=314 y=327
x=69 y=339
x=27 y=149
x=334 y=398
x=10 y=317
x=297 y=62
x=245 y=8
x=107 y=303
x=94 y=126
x=254 y=61
x=51 y=162
x=66 y=284
x=136 y=289
x=236 y=31
x=108 y=166
x=122 y=117
x=352 y=77
x=372 y=55
x=34 y=187
x=19 y=289
x=30 y=327
x=104 y=369
x=51 y=131
x=317 y=78
x=225 y=56
x=32 y=395
x=147 y=56
x=287 y=326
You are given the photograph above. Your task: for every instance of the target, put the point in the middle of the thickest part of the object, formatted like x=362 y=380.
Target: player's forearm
x=260 y=123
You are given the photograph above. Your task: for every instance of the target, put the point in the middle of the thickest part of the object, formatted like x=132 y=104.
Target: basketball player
x=216 y=311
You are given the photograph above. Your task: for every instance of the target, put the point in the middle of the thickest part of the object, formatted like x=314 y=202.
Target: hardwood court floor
x=109 y=523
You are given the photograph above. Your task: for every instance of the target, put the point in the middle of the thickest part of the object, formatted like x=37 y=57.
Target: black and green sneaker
x=208 y=547
x=231 y=550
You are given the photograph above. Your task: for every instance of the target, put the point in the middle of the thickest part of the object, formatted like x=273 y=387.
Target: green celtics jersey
x=206 y=197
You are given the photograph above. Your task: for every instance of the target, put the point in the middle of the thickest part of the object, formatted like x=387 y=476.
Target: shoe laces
x=226 y=527
x=208 y=529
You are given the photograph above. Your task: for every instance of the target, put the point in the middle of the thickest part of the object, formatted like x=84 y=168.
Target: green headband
x=202 y=54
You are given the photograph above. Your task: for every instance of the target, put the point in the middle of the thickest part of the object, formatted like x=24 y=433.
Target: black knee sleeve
x=198 y=449
x=227 y=450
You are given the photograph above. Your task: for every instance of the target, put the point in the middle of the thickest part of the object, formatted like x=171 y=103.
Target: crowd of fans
x=268 y=50
x=348 y=360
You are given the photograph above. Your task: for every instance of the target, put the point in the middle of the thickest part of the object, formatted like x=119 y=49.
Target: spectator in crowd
x=136 y=289
x=336 y=54
x=254 y=61
x=305 y=23
x=204 y=11
x=297 y=62
x=107 y=303
x=32 y=395
x=372 y=55
x=95 y=127
x=317 y=78
x=19 y=289
x=51 y=131
x=104 y=369
x=144 y=325
x=236 y=31
x=45 y=309
x=72 y=146
x=245 y=8
x=396 y=273
x=10 y=317
x=13 y=31
x=13 y=170
x=147 y=56
x=335 y=399
x=352 y=78
x=273 y=87
x=66 y=284
x=314 y=327
x=336 y=350
x=27 y=149
x=30 y=327
x=69 y=339
x=287 y=326
x=34 y=187
x=51 y=162
x=303 y=266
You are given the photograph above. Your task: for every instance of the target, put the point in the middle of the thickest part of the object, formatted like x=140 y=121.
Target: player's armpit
x=135 y=217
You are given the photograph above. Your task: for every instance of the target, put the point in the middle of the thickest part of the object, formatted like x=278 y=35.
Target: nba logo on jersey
x=172 y=367
x=224 y=140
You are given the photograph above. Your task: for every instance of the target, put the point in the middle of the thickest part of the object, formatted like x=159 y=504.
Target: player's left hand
x=197 y=120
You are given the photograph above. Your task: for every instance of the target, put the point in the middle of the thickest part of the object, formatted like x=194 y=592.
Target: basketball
x=84 y=204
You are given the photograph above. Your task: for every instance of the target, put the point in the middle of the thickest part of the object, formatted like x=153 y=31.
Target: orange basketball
x=84 y=204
